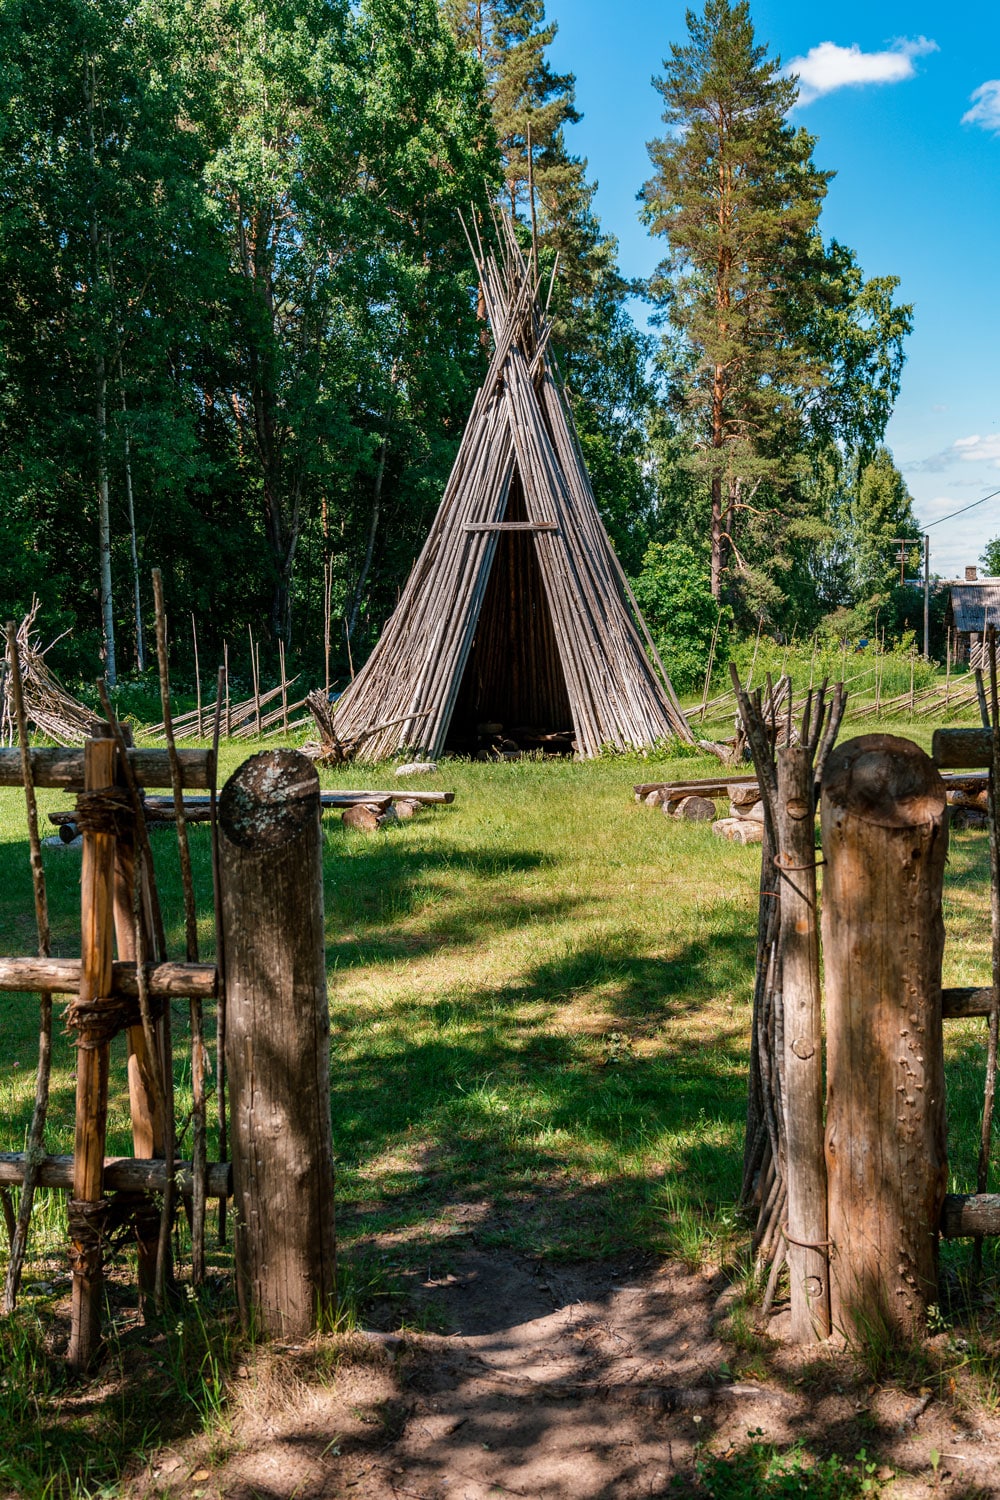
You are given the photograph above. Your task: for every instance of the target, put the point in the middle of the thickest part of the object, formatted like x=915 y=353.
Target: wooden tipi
x=517 y=612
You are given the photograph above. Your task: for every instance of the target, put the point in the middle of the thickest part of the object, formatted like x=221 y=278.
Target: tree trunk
x=372 y=532
x=140 y=645
x=278 y=1042
x=885 y=838
x=104 y=524
x=100 y=404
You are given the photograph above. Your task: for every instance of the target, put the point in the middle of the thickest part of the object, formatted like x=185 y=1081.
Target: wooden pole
x=197 y=676
x=122 y=1174
x=327 y=594
x=254 y=660
x=96 y=904
x=18 y=1236
x=986 y=1131
x=225 y=668
x=756 y=646
x=885 y=839
x=708 y=669
x=284 y=688
x=198 y=1114
x=277 y=1042
x=145 y=1110
x=927 y=597
x=803 y=1046
x=220 y=961
x=912 y=659
x=166 y=1031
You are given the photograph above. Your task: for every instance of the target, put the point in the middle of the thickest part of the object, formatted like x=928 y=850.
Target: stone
x=364 y=816
x=417 y=768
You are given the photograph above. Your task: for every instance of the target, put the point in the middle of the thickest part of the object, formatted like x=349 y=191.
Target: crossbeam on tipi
x=517 y=608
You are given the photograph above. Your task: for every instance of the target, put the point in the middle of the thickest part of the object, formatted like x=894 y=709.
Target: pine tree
x=781 y=361
x=736 y=193
x=510 y=38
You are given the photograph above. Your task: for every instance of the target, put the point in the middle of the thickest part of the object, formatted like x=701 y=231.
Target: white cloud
x=827 y=66
x=985 y=109
x=976 y=449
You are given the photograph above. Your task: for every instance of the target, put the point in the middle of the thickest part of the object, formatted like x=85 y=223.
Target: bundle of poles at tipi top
x=519 y=469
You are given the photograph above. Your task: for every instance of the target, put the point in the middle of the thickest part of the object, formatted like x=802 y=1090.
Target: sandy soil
x=585 y=1381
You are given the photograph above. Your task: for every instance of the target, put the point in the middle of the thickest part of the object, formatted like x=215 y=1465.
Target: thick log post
x=885 y=837
x=803 y=1047
x=277 y=1042
x=93 y=1047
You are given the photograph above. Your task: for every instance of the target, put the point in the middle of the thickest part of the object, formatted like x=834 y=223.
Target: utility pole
x=905 y=544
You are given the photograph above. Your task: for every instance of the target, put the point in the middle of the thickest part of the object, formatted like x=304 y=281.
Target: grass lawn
x=540 y=1016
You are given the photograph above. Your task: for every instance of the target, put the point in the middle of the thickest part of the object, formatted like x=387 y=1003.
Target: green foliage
x=990 y=557
x=764 y=1471
x=673 y=591
x=259 y=255
x=881 y=514
x=236 y=285
x=835 y=653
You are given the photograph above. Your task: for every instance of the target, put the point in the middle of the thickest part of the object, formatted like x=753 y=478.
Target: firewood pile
x=695 y=802
x=254 y=718
x=496 y=742
x=330 y=749
x=49 y=707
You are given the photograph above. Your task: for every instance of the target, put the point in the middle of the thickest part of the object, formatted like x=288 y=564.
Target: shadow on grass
x=372 y=884
x=489 y=1092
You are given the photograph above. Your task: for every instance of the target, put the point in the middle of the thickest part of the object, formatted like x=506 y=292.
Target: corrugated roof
x=976 y=605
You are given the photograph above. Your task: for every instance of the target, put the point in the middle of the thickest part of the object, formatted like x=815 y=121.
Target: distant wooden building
x=973 y=604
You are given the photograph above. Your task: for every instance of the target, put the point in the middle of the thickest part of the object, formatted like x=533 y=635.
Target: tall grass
x=808 y=662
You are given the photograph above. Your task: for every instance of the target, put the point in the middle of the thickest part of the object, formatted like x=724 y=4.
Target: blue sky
x=917 y=194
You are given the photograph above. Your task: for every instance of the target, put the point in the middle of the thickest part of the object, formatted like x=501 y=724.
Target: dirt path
x=567 y=1383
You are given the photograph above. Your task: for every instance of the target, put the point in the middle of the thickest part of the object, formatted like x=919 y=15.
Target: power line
x=991 y=496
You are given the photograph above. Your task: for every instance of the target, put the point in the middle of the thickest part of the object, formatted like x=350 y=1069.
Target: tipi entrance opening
x=513 y=691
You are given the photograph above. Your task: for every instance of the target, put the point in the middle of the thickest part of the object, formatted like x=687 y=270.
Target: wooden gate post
x=885 y=837
x=278 y=1042
x=93 y=1043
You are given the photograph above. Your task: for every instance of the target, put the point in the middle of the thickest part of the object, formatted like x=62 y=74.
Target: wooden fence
x=848 y=1171
x=268 y=990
